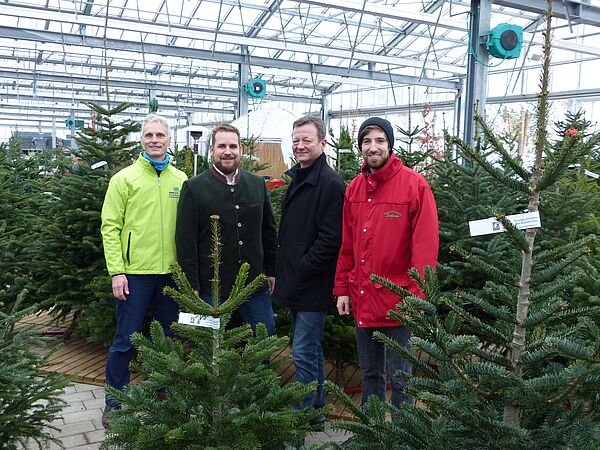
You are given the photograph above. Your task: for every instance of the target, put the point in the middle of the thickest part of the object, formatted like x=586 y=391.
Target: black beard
x=227 y=170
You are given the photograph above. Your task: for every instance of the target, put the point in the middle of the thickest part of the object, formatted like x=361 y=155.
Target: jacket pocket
x=399 y=280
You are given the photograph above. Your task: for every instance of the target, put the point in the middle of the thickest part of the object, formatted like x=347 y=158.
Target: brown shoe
x=105 y=419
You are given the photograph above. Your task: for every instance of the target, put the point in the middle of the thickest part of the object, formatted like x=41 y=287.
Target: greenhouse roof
x=56 y=54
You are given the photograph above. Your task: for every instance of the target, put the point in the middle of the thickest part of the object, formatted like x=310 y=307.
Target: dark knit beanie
x=381 y=123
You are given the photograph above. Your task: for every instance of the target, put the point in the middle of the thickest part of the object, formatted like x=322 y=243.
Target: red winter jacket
x=390 y=225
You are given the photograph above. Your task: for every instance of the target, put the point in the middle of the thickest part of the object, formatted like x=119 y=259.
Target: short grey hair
x=311 y=120
x=155 y=118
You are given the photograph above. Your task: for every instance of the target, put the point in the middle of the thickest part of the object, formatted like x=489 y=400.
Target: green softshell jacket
x=138 y=219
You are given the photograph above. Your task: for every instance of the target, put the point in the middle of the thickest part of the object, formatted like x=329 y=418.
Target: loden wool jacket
x=247 y=225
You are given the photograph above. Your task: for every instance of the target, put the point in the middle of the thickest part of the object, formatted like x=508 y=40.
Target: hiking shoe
x=105 y=419
x=318 y=423
x=348 y=443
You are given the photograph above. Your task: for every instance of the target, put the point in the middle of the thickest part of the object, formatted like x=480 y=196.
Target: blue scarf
x=157 y=165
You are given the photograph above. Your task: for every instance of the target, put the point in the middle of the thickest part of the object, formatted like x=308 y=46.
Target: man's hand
x=271 y=284
x=120 y=287
x=343 y=305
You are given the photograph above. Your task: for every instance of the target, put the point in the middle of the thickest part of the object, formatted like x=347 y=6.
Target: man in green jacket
x=138 y=232
x=247 y=224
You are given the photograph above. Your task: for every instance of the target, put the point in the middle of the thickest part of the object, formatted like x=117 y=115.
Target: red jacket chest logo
x=392 y=214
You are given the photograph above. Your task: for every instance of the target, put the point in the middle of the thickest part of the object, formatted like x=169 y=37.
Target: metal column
x=477 y=67
x=243 y=78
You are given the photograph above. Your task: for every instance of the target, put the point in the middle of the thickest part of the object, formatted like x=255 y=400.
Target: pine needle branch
x=493 y=272
x=503 y=178
x=557 y=166
x=497 y=145
x=563 y=250
x=515 y=235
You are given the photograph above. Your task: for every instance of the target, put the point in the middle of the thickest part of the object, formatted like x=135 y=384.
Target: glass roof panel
x=303 y=48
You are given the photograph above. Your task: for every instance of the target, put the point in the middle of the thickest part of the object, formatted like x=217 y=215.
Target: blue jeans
x=257 y=309
x=372 y=357
x=307 y=353
x=145 y=291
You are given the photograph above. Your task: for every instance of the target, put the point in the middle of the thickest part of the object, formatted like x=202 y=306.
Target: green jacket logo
x=174 y=193
x=392 y=214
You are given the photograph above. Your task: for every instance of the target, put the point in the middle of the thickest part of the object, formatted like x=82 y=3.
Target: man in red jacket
x=389 y=226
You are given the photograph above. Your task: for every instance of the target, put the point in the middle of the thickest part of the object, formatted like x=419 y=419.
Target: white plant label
x=492 y=225
x=199 y=321
x=98 y=165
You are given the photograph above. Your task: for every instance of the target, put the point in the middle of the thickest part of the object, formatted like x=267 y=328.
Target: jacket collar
x=219 y=176
x=391 y=167
x=313 y=176
x=146 y=164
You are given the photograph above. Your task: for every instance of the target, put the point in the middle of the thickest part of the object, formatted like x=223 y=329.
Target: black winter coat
x=310 y=235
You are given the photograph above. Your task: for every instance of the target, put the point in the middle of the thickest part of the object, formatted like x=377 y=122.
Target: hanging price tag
x=492 y=225
x=199 y=321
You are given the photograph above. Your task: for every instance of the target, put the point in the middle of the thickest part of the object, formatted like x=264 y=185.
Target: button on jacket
x=247 y=228
x=389 y=226
x=138 y=219
x=310 y=234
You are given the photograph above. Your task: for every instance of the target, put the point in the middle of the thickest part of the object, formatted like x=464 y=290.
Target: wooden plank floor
x=86 y=362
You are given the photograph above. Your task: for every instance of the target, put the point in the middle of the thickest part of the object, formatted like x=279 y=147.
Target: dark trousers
x=307 y=353
x=145 y=291
x=373 y=357
x=256 y=309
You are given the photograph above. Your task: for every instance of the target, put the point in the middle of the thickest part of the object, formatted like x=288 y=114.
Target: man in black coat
x=310 y=235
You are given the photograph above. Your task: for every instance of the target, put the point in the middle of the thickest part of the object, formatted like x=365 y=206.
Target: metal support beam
x=207 y=55
x=449 y=105
x=575 y=11
x=263 y=18
x=224 y=95
x=243 y=78
x=390 y=12
x=223 y=37
x=36 y=102
x=477 y=66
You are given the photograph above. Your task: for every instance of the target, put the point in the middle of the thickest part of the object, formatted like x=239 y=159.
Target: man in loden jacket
x=138 y=233
x=247 y=225
x=310 y=234
x=390 y=225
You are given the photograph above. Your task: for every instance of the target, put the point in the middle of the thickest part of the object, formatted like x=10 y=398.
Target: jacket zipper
x=162 y=230
x=128 y=247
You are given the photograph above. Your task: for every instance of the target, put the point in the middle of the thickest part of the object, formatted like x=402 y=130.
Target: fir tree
x=21 y=192
x=219 y=393
x=68 y=260
x=29 y=399
x=464 y=193
x=347 y=160
x=250 y=161
x=516 y=363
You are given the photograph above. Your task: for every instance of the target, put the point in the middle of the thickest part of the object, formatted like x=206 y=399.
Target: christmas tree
x=20 y=193
x=347 y=161
x=219 y=393
x=29 y=399
x=515 y=361
x=67 y=260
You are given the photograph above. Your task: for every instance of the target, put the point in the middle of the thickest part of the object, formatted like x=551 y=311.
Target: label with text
x=199 y=321
x=492 y=225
